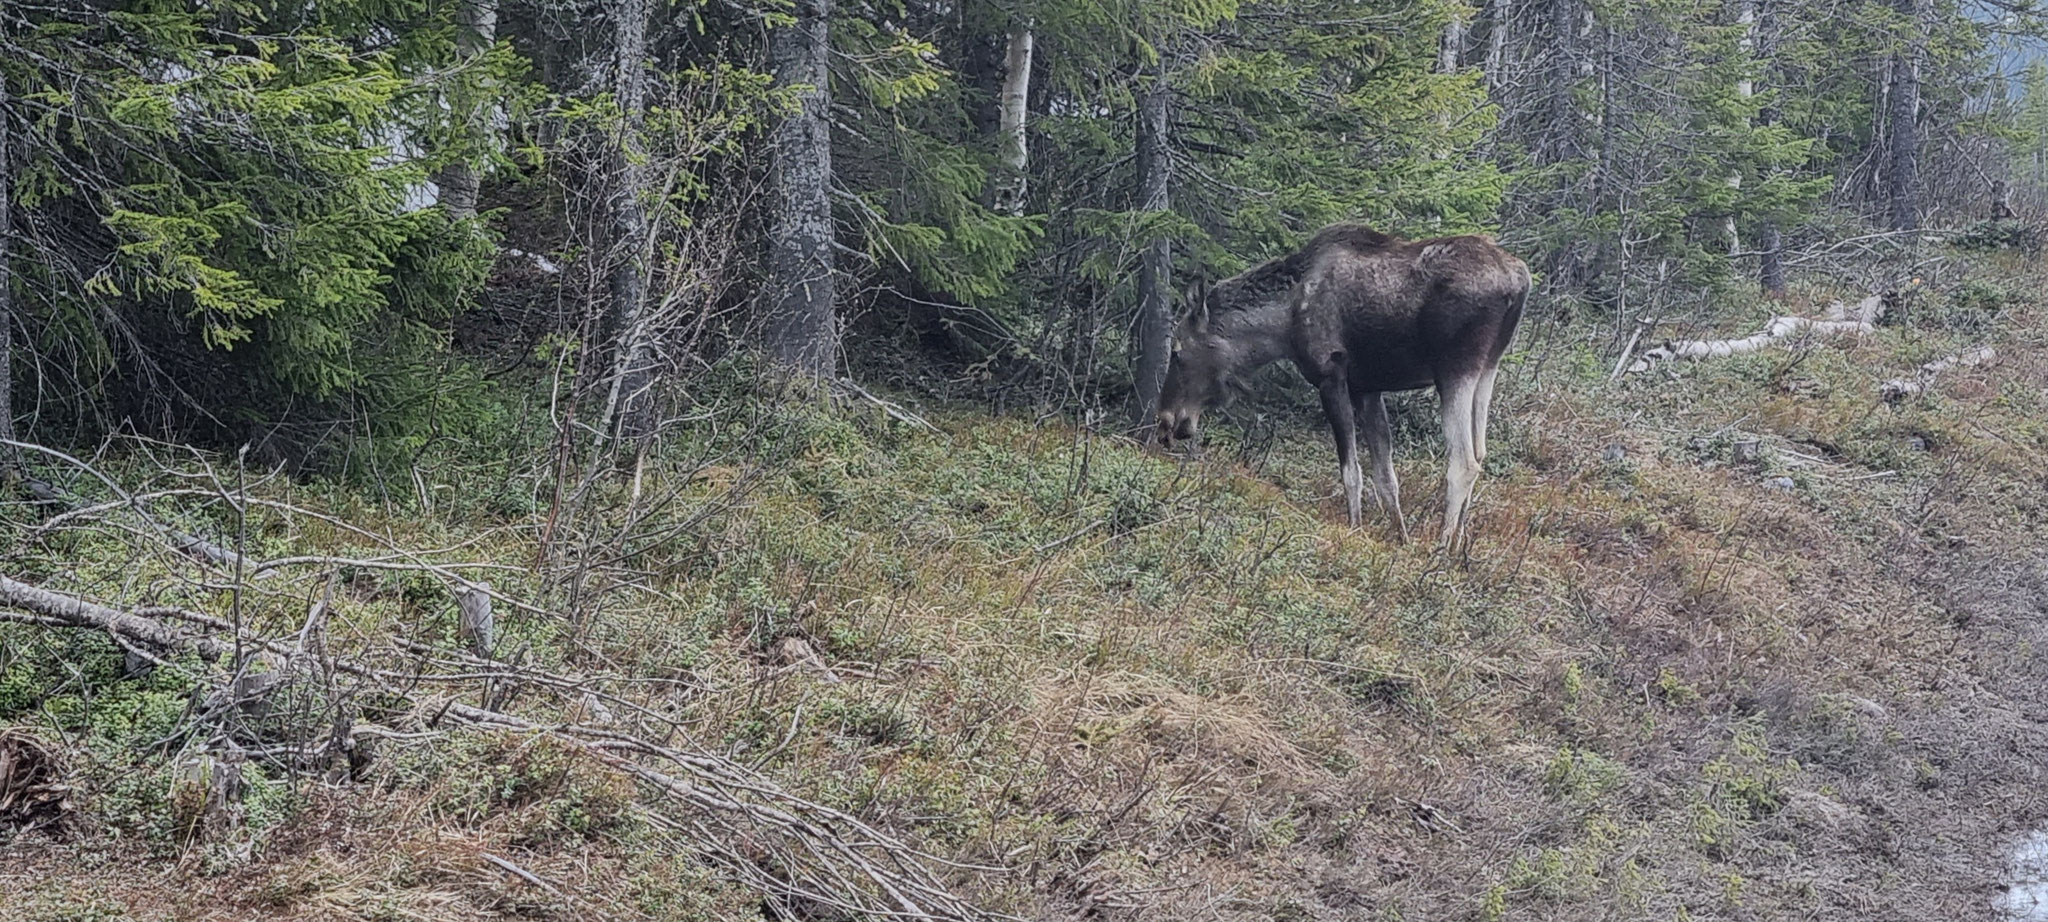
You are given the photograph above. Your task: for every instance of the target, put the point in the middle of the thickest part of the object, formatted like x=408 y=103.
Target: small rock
x=1782 y=484
x=1613 y=453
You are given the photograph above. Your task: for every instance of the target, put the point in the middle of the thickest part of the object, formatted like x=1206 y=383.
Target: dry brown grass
x=1164 y=689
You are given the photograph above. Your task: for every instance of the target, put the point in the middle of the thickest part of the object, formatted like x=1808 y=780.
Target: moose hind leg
x=1344 y=431
x=1379 y=446
x=1482 y=407
x=1461 y=464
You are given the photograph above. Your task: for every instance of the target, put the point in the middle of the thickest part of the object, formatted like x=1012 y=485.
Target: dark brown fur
x=1361 y=313
x=1403 y=314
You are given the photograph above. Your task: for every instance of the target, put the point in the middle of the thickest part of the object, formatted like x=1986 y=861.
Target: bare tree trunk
x=1580 y=263
x=1010 y=183
x=1155 y=319
x=1450 y=52
x=1905 y=117
x=1450 y=55
x=1771 y=261
x=632 y=377
x=801 y=331
x=1499 y=14
x=10 y=458
x=1769 y=241
x=1603 y=181
x=1560 y=135
x=476 y=27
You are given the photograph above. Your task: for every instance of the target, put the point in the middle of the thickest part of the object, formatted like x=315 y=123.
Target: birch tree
x=9 y=457
x=631 y=247
x=1499 y=17
x=1770 y=241
x=1451 y=49
x=476 y=28
x=1011 y=183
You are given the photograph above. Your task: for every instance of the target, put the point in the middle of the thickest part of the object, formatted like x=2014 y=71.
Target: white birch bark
x=1015 y=153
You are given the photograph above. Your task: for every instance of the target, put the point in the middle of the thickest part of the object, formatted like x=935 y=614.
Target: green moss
x=1582 y=776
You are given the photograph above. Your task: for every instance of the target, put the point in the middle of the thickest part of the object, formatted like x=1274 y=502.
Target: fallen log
x=1900 y=388
x=51 y=605
x=179 y=540
x=1840 y=321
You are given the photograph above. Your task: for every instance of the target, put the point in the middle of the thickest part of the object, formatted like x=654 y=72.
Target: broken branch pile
x=795 y=850
x=808 y=859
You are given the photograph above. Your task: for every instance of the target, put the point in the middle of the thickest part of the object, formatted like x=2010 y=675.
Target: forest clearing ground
x=1737 y=640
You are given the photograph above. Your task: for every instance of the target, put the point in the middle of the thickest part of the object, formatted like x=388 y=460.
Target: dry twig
x=790 y=847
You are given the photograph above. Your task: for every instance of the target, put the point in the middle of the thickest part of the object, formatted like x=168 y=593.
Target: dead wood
x=477 y=626
x=1900 y=388
x=127 y=629
x=1840 y=321
x=179 y=540
x=795 y=850
x=33 y=790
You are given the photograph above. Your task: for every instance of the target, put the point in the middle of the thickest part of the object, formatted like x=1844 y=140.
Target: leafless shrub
x=287 y=693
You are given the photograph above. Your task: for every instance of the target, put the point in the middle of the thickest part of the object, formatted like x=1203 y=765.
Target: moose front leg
x=1344 y=430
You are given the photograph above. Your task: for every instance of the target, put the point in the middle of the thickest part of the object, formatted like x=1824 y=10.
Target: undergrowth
x=1149 y=684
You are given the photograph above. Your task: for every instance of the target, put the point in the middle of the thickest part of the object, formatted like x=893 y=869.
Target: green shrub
x=2002 y=234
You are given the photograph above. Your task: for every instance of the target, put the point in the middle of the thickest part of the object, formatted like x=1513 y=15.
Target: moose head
x=1195 y=372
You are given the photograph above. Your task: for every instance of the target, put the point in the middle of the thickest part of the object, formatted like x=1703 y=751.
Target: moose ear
x=1198 y=304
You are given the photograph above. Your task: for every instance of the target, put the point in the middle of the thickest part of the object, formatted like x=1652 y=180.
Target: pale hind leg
x=1461 y=463
x=1482 y=406
x=1379 y=446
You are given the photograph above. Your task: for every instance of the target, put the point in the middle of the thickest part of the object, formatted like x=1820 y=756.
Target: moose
x=1361 y=313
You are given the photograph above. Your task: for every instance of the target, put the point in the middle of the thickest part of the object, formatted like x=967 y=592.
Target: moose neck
x=1257 y=335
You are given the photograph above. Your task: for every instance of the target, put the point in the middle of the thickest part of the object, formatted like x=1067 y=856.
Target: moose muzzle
x=1178 y=426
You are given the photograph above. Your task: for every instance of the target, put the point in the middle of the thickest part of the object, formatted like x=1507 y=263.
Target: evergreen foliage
x=226 y=212
x=225 y=207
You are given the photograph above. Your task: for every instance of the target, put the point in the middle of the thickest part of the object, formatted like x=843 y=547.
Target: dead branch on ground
x=1840 y=321
x=792 y=848
x=1900 y=388
x=179 y=540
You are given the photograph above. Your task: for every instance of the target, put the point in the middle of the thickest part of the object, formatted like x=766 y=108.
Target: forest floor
x=1737 y=639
